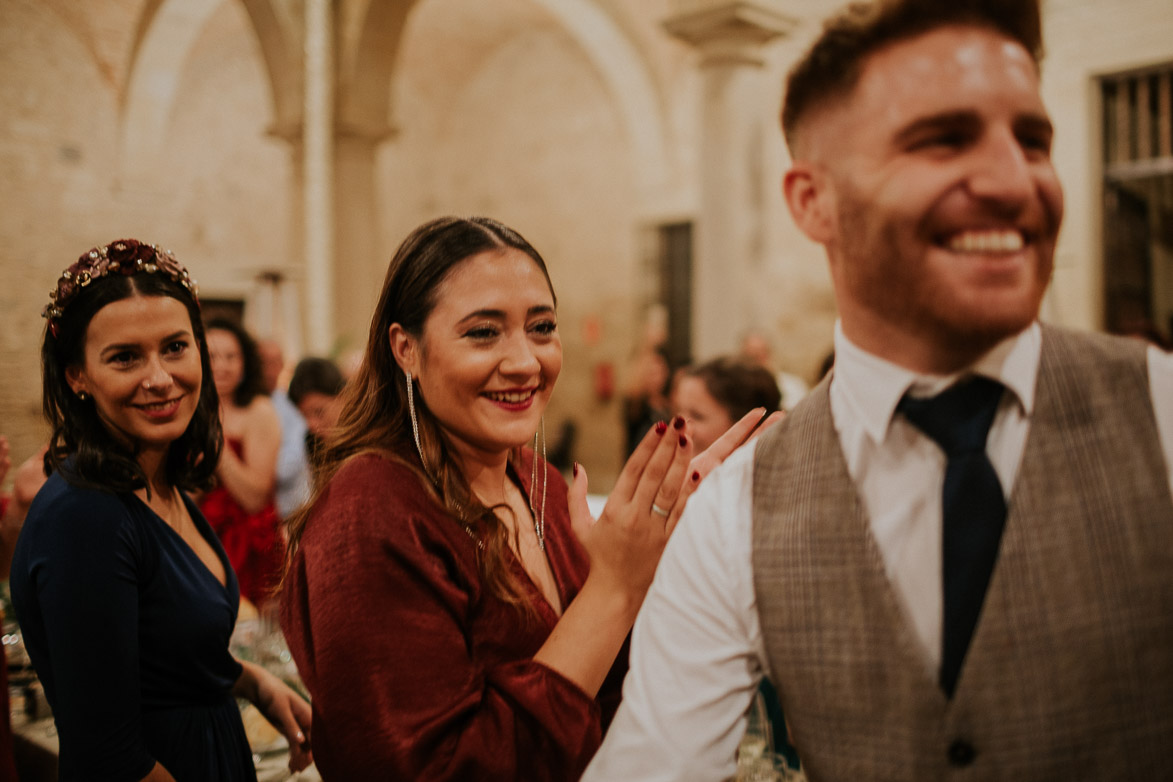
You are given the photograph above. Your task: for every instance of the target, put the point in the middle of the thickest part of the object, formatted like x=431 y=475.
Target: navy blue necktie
x=973 y=506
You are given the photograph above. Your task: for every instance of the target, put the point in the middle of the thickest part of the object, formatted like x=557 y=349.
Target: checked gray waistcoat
x=1070 y=671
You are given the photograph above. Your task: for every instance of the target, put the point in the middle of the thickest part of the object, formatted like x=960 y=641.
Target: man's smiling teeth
x=987 y=242
x=511 y=397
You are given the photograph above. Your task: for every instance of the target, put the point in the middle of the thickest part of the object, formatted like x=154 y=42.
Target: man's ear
x=76 y=379
x=405 y=348
x=811 y=198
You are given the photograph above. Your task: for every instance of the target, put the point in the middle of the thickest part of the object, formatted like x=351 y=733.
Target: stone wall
x=214 y=189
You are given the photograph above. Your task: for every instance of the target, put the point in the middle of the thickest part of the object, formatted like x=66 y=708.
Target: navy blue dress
x=128 y=631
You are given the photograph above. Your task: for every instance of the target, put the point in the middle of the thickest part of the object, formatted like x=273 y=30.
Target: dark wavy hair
x=374 y=416
x=252 y=381
x=738 y=386
x=832 y=66
x=314 y=375
x=81 y=447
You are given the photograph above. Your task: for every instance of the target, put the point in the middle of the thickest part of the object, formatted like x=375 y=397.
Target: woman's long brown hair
x=374 y=417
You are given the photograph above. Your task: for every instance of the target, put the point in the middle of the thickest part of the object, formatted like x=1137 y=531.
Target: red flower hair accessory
x=125 y=257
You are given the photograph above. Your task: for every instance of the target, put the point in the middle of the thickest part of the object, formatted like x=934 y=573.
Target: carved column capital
x=729 y=31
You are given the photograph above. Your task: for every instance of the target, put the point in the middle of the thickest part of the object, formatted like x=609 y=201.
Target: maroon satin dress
x=416 y=669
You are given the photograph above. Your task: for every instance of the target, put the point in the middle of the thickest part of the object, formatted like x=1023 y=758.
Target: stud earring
x=82 y=396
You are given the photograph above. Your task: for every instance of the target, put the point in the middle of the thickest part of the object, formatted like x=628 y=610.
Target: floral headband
x=125 y=257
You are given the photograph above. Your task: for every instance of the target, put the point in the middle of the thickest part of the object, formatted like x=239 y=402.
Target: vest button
x=961 y=753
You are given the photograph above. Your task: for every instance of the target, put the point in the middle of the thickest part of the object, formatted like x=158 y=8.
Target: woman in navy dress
x=124 y=594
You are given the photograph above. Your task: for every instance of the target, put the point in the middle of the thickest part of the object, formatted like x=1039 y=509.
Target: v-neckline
x=520 y=565
x=202 y=530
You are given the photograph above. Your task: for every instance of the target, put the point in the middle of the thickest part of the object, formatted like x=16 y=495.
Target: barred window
x=1137 y=112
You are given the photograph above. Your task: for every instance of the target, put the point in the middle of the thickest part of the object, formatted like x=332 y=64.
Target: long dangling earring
x=415 y=427
x=539 y=522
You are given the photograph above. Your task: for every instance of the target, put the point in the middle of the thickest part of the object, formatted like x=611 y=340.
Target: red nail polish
x=575 y=469
x=683 y=441
x=696 y=476
x=678 y=422
x=661 y=427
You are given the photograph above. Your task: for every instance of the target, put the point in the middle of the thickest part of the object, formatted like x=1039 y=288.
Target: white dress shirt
x=697 y=652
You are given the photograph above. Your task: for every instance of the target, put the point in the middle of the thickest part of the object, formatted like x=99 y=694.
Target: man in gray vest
x=955 y=557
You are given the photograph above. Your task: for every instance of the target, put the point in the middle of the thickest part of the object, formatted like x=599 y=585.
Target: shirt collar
x=873 y=386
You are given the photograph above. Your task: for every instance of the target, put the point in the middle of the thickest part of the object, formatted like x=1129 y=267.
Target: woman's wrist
x=246 y=685
x=615 y=598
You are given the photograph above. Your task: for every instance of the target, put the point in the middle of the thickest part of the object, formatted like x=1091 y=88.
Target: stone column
x=737 y=104
x=360 y=266
x=318 y=175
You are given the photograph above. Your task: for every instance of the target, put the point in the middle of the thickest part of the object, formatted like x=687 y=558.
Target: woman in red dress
x=451 y=605
x=241 y=508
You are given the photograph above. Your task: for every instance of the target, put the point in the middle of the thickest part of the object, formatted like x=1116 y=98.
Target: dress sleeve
x=86 y=581
x=380 y=614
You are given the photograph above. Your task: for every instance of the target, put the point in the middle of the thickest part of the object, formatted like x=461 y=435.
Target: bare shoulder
x=262 y=413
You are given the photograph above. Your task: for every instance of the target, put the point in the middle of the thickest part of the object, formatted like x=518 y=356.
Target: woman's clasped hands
x=282 y=707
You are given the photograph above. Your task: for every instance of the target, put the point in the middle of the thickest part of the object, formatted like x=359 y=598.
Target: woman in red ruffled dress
x=241 y=508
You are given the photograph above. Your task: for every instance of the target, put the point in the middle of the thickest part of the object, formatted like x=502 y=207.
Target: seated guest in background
x=292 y=476
x=124 y=594
x=716 y=394
x=315 y=389
x=954 y=558
x=437 y=600
x=240 y=508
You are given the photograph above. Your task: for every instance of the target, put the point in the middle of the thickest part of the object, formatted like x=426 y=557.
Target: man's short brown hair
x=832 y=66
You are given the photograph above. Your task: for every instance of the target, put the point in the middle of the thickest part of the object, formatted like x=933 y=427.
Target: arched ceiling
x=369 y=34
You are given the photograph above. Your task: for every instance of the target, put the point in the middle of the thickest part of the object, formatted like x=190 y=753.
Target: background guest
x=29 y=478
x=240 y=508
x=645 y=397
x=293 y=472
x=315 y=389
x=756 y=349
x=716 y=394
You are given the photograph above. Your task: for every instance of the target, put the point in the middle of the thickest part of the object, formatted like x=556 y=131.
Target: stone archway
x=166 y=32
x=626 y=74
x=366 y=39
x=203 y=99
x=367 y=65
